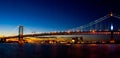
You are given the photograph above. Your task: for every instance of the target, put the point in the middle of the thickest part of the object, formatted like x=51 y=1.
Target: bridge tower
x=20 y=32
x=112 y=40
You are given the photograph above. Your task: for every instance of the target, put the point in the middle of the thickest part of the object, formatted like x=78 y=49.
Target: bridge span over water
x=106 y=25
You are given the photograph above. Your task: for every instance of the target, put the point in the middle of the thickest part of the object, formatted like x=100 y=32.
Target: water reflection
x=59 y=51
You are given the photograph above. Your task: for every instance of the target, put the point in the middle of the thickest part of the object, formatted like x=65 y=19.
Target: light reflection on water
x=59 y=51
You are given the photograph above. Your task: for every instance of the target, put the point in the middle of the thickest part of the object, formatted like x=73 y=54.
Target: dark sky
x=53 y=15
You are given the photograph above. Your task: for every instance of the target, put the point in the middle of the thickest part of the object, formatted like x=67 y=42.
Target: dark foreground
x=59 y=51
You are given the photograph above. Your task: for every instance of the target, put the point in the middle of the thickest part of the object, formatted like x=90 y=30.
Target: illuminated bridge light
x=118 y=33
x=73 y=41
x=106 y=32
x=111 y=14
x=68 y=31
x=111 y=27
x=112 y=41
x=93 y=31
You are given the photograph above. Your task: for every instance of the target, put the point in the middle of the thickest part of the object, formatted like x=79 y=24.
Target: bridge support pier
x=112 y=40
x=20 y=31
x=2 y=40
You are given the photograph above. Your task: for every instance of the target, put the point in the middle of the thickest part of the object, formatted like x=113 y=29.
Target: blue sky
x=52 y=15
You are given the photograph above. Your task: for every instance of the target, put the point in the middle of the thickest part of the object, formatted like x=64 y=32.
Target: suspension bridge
x=106 y=25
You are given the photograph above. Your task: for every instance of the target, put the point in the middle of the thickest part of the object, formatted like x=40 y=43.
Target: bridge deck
x=67 y=33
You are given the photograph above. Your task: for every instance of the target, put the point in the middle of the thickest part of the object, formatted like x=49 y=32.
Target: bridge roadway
x=66 y=33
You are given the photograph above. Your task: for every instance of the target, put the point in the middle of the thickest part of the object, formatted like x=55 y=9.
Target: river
x=14 y=50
